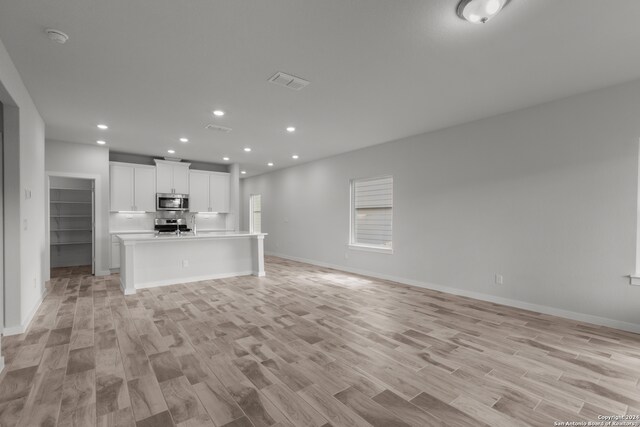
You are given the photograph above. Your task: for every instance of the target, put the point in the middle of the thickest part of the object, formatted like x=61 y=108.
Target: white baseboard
x=554 y=311
x=168 y=282
x=22 y=327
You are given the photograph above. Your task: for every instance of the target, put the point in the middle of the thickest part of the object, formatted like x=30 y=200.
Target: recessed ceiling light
x=291 y=129
x=103 y=127
x=295 y=157
x=184 y=140
x=101 y=142
x=480 y=11
x=243 y=172
x=226 y=159
x=218 y=113
x=270 y=164
x=171 y=151
x=247 y=149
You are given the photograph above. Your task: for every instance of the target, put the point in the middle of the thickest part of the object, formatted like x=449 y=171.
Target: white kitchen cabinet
x=115 y=255
x=208 y=191
x=219 y=192
x=132 y=187
x=145 y=188
x=121 y=187
x=172 y=177
x=199 y=191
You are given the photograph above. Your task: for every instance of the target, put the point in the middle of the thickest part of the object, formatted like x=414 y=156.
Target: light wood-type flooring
x=306 y=346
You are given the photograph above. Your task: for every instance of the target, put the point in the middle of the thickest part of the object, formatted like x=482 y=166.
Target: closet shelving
x=71 y=225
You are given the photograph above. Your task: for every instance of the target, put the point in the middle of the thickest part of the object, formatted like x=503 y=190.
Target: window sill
x=634 y=279
x=366 y=248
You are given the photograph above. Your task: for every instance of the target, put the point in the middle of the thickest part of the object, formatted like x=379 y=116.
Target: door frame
x=97 y=249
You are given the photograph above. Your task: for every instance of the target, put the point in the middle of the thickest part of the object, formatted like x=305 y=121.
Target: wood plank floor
x=305 y=346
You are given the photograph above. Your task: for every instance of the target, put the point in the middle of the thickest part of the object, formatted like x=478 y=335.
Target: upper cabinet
x=208 y=191
x=172 y=177
x=132 y=187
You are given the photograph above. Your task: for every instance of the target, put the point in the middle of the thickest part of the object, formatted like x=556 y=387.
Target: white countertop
x=204 y=230
x=201 y=235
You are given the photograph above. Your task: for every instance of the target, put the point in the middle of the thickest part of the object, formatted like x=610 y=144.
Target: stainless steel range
x=171 y=226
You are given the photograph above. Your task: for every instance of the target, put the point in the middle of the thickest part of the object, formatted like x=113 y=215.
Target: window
x=255 y=220
x=372 y=213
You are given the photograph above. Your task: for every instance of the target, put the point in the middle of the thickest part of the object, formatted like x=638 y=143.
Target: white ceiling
x=153 y=70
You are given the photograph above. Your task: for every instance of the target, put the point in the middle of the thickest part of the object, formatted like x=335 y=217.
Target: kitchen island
x=150 y=260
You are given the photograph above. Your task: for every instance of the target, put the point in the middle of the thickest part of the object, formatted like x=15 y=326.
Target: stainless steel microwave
x=172 y=202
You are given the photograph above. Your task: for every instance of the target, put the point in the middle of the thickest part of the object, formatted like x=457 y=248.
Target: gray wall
x=24 y=199
x=148 y=160
x=546 y=196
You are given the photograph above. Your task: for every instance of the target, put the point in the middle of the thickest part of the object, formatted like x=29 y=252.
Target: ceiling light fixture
x=218 y=113
x=226 y=159
x=103 y=127
x=291 y=129
x=243 y=172
x=247 y=149
x=270 y=164
x=57 y=36
x=101 y=142
x=480 y=11
x=171 y=151
x=184 y=140
x=295 y=157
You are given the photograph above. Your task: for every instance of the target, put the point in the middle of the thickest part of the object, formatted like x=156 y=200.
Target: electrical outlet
x=185 y=263
x=499 y=279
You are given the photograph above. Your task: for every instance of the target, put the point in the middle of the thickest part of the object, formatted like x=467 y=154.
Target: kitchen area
x=160 y=221
x=172 y=223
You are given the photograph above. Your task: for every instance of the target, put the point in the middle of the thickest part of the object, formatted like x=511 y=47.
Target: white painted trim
x=368 y=248
x=180 y=281
x=634 y=279
x=22 y=328
x=1 y=364
x=581 y=317
x=98 y=219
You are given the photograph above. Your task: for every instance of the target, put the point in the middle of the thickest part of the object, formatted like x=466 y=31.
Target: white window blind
x=372 y=212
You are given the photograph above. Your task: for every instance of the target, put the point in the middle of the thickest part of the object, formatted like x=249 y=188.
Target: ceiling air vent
x=288 y=81
x=218 y=128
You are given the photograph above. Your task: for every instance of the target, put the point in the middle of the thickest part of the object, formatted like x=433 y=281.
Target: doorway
x=71 y=226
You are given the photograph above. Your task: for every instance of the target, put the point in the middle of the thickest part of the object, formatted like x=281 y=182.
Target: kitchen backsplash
x=144 y=221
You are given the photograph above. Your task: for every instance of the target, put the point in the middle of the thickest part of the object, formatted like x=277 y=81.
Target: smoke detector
x=57 y=36
x=288 y=81
x=218 y=128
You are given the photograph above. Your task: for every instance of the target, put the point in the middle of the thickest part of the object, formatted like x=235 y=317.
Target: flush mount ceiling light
x=101 y=142
x=243 y=172
x=270 y=164
x=480 y=11
x=295 y=157
x=248 y=150
x=57 y=36
x=171 y=151
x=103 y=127
x=291 y=129
x=218 y=113
x=184 y=140
x=226 y=159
